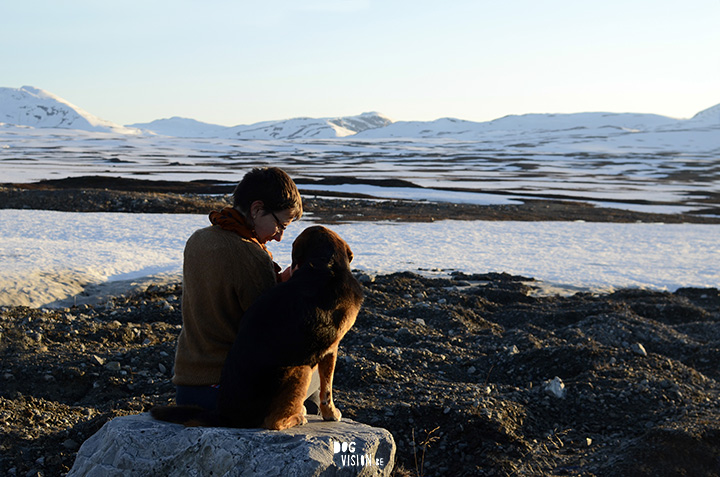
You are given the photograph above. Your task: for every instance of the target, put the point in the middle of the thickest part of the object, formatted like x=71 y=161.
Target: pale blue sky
x=236 y=62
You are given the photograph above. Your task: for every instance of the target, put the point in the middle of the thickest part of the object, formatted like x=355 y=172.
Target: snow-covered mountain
x=310 y=128
x=180 y=127
x=709 y=116
x=297 y=128
x=30 y=106
x=600 y=122
x=374 y=125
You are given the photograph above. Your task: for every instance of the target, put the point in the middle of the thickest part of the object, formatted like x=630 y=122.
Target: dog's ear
x=299 y=250
x=305 y=245
x=349 y=253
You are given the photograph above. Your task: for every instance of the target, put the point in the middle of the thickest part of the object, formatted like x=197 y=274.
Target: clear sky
x=234 y=62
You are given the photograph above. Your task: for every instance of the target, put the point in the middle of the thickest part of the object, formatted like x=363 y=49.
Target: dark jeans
x=203 y=396
x=207 y=396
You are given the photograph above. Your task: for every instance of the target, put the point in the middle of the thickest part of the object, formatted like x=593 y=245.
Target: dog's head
x=320 y=246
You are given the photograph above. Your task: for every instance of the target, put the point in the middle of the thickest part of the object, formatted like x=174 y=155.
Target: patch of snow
x=48 y=257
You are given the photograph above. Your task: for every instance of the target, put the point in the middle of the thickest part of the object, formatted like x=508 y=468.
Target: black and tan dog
x=283 y=336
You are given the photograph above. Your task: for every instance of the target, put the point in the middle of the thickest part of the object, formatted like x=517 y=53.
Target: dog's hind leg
x=287 y=408
x=326 y=370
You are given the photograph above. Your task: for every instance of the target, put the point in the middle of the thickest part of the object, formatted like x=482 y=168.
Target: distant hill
x=180 y=127
x=530 y=123
x=297 y=128
x=310 y=128
x=30 y=106
x=709 y=116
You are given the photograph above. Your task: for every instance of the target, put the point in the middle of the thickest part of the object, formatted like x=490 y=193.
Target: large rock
x=141 y=446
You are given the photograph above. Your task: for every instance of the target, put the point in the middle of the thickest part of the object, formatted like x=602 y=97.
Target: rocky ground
x=473 y=375
x=457 y=369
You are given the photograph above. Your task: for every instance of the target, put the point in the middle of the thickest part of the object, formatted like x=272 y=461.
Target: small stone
x=472 y=369
x=113 y=366
x=420 y=322
x=95 y=359
x=365 y=278
x=70 y=444
x=162 y=368
x=555 y=387
x=638 y=349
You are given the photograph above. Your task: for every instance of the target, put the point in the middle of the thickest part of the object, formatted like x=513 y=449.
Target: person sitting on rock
x=226 y=267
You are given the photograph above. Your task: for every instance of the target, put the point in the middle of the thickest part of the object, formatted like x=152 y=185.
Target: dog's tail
x=190 y=416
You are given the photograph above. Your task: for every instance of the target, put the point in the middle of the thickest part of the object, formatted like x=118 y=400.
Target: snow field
x=47 y=257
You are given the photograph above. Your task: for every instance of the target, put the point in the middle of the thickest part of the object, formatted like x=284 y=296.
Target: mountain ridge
x=37 y=108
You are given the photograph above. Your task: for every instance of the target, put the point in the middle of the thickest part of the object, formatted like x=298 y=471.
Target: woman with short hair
x=226 y=267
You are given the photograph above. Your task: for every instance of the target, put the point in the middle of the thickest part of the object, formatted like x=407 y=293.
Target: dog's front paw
x=331 y=413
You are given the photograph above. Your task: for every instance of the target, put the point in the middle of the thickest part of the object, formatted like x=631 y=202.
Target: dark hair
x=273 y=187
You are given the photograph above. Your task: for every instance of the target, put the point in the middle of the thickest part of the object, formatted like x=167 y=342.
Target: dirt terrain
x=473 y=375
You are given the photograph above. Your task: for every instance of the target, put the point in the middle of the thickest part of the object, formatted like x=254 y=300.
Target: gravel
x=473 y=375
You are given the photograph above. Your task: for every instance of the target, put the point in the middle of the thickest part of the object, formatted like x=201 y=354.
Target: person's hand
x=287 y=273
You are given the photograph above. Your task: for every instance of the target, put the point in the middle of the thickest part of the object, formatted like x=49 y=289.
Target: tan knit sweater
x=223 y=274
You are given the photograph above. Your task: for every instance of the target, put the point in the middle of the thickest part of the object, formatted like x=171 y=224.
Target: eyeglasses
x=279 y=224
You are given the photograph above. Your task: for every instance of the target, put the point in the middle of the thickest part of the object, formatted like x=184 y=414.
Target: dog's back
x=293 y=324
